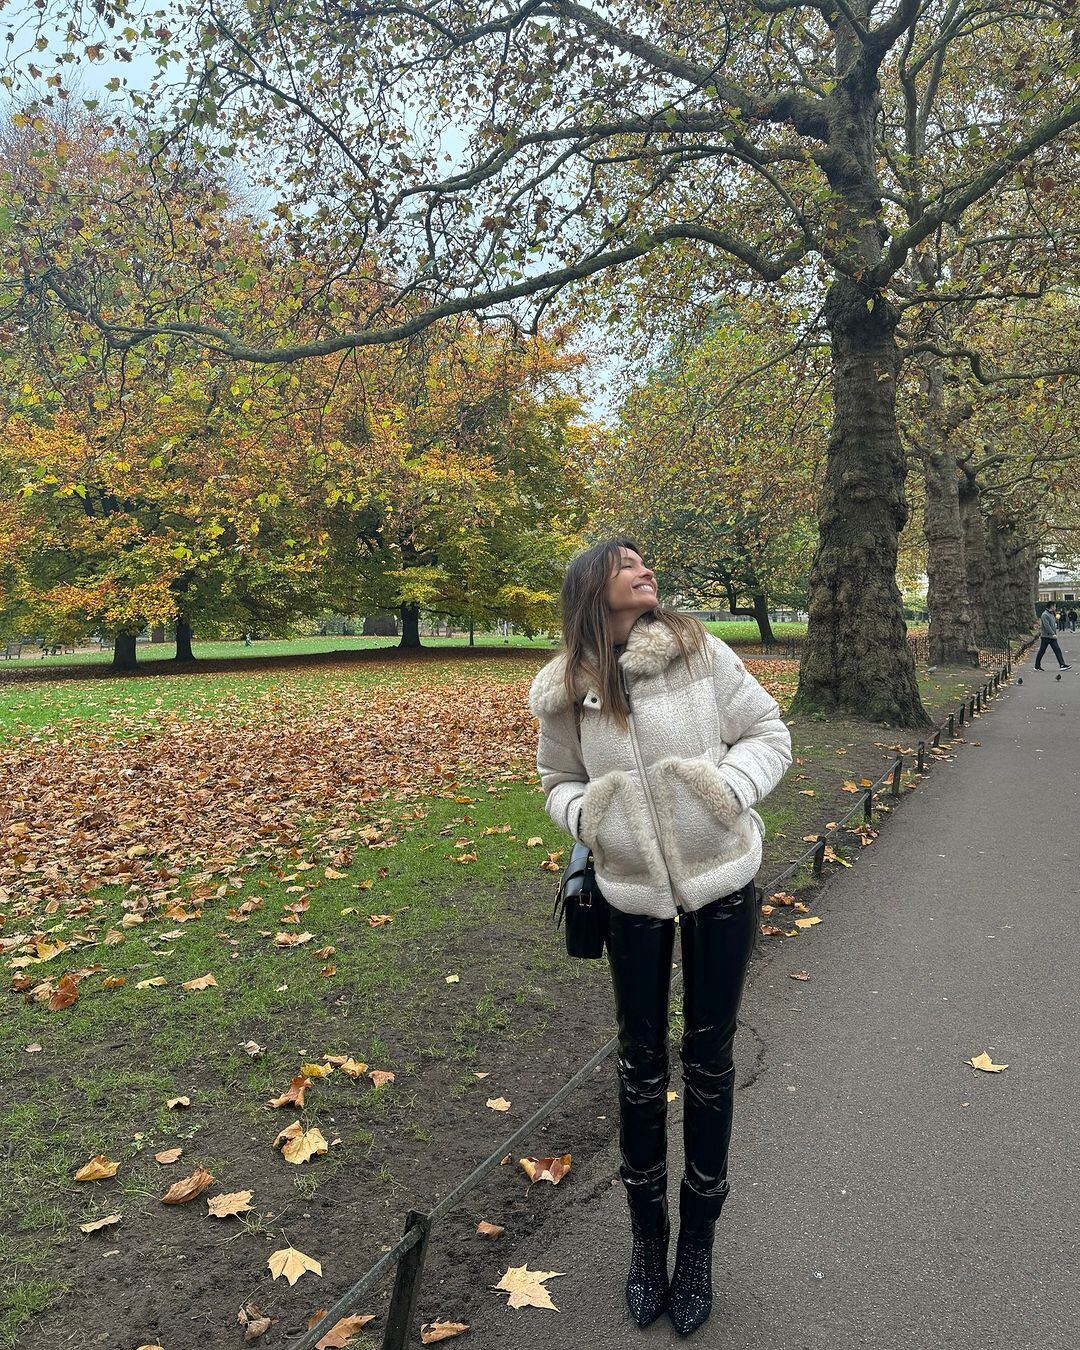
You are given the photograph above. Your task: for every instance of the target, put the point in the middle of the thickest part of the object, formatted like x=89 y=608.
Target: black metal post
x=951 y=725
x=898 y=769
x=868 y=807
x=920 y=763
x=819 y=855
x=399 y=1318
x=960 y=716
x=937 y=738
x=971 y=714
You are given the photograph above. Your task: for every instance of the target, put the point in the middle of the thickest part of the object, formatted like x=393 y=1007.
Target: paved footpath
x=884 y=1194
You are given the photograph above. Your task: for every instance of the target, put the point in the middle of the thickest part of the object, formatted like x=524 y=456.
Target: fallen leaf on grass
x=203 y=982
x=316 y=1070
x=546 y=1169
x=178 y=1103
x=294 y=1094
x=292 y=1264
x=299 y=1145
x=798 y=975
x=106 y=1222
x=849 y=786
x=34 y=1049
x=807 y=792
x=352 y=1068
x=229 y=1205
x=986 y=1064
x=430 y=1332
x=342 y=1332
x=489 y=1230
x=253 y=1048
x=154 y=982
x=379 y=920
x=324 y=952
x=112 y=982
x=187 y=1188
x=526 y=1287
x=97 y=1169
x=453 y=979
x=380 y=1077
x=782 y=898
x=327 y=971
x=64 y=995
x=534 y=841
x=167 y=1156
x=807 y=923
x=498 y=1103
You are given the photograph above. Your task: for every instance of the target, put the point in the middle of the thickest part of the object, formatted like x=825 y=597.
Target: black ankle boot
x=690 y=1296
x=647 y=1282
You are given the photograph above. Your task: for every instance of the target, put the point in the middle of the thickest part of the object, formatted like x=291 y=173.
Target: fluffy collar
x=650 y=648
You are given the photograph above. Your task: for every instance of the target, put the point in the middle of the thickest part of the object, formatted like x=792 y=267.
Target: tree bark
x=952 y=630
x=999 y=607
x=183 y=641
x=759 y=613
x=976 y=559
x=856 y=657
x=124 y=652
x=410 y=626
x=472 y=635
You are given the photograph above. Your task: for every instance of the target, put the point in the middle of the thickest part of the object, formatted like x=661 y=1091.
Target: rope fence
x=409 y=1253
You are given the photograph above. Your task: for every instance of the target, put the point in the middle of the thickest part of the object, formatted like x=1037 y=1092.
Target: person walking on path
x=1072 y=620
x=655 y=745
x=1048 y=631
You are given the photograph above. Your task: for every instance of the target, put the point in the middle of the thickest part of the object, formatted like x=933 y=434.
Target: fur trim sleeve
x=562 y=771
x=750 y=723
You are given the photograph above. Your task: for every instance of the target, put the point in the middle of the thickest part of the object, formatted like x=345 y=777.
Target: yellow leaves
x=178 y=1103
x=187 y=1188
x=379 y=920
x=380 y=1077
x=203 y=982
x=154 y=982
x=546 y=1169
x=97 y=1169
x=498 y=1104
x=290 y=1264
x=453 y=979
x=292 y=939
x=984 y=1063
x=353 y=1068
x=534 y=842
x=849 y=786
x=229 y=1205
x=299 y=1145
x=168 y=1156
x=113 y=982
x=316 y=1070
x=97 y=1224
x=808 y=923
x=526 y=1287
x=343 y=1332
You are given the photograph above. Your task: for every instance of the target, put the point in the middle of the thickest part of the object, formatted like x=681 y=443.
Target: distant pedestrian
x=1048 y=631
x=655 y=744
x=1072 y=620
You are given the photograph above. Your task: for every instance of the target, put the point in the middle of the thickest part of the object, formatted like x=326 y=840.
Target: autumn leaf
x=203 y=982
x=380 y=1077
x=430 y=1332
x=106 y=1222
x=798 y=975
x=453 y=979
x=343 y=1332
x=294 y=1095
x=167 y=1156
x=316 y=1070
x=849 y=786
x=534 y=841
x=807 y=792
x=782 y=898
x=986 y=1064
x=770 y=930
x=178 y=1103
x=352 y=1068
x=379 y=920
x=807 y=923
x=526 y=1287
x=65 y=994
x=546 y=1169
x=97 y=1169
x=228 y=1205
x=254 y=1321
x=292 y=939
x=498 y=1103
x=299 y=1145
x=291 y=1264
x=180 y=1192
x=154 y=982
x=112 y=982
x=491 y=1231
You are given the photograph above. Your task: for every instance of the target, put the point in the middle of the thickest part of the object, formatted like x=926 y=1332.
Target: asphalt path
x=884 y=1193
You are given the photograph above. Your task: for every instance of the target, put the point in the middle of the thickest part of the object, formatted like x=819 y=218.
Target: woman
x=655 y=745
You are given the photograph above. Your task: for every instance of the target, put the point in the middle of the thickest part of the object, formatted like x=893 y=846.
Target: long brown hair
x=590 y=652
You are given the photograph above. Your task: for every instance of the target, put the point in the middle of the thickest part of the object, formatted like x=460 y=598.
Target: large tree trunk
x=857 y=657
x=999 y=600
x=976 y=559
x=183 y=641
x=124 y=652
x=952 y=632
x=410 y=626
x=759 y=613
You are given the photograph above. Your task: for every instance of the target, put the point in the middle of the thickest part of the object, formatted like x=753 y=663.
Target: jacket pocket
x=702 y=823
x=616 y=825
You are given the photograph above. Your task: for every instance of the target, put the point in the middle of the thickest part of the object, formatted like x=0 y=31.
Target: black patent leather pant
x=716 y=944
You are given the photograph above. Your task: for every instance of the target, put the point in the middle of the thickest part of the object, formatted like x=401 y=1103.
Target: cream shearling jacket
x=667 y=806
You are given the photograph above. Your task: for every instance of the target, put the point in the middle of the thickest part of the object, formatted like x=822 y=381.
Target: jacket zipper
x=648 y=791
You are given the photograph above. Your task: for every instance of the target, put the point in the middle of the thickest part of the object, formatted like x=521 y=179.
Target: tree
x=713 y=460
x=584 y=139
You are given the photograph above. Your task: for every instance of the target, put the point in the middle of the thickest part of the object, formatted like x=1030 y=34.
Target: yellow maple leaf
x=203 y=982
x=292 y=1264
x=986 y=1064
x=233 y=1203
x=97 y=1169
x=526 y=1287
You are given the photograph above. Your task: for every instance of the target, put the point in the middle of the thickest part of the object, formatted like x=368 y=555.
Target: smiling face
x=631 y=588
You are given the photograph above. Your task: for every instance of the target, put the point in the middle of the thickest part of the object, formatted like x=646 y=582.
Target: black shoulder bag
x=579 y=901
